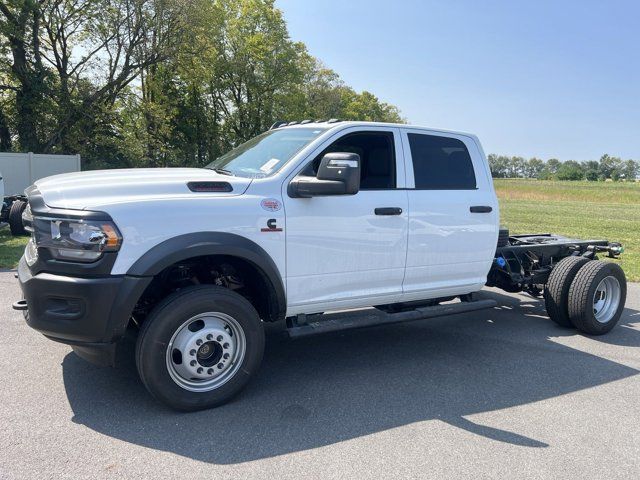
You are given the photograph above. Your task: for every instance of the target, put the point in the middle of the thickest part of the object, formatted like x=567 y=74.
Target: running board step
x=334 y=322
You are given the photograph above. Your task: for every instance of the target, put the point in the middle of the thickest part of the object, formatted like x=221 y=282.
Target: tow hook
x=20 y=305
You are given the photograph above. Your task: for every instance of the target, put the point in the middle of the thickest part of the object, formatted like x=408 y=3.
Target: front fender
x=199 y=244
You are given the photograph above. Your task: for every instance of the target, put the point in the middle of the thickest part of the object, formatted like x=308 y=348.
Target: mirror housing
x=338 y=174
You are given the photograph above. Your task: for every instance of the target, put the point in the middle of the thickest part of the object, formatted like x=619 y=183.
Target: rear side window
x=441 y=163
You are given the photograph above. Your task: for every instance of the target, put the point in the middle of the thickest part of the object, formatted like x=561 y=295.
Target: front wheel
x=199 y=347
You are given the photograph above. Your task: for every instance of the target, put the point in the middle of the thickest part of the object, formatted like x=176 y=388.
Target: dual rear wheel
x=586 y=294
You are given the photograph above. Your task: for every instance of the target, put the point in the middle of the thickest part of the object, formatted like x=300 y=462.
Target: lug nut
x=209 y=337
x=199 y=369
x=219 y=338
x=226 y=345
x=198 y=342
x=210 y=371
x=220 y=365
x=225 y=356
x=192 y=352
x=193 y=363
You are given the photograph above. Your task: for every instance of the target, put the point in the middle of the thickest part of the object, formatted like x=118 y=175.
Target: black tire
x=503 y=237
x=167 y=317
x=15 y=218
x=583 y=290
x=556 y=292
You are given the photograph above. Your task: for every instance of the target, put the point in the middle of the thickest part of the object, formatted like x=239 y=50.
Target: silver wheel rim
x=206 y=351
x=606 y=299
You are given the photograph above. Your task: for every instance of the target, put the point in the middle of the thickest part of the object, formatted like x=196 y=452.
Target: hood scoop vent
x=205 y=186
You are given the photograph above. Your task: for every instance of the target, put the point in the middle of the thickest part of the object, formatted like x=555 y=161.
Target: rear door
x=453 y=214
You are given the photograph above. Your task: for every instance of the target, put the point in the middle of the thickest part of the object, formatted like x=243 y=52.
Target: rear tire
x=556 y=292
x=15 y=218
x=503 y=237
x=597 y=297
x=170 y=351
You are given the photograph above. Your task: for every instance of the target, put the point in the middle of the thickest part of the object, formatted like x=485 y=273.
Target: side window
x=441 y=163
x=377 y=158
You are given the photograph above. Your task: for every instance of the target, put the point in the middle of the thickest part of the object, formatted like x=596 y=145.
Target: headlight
x=76 y=240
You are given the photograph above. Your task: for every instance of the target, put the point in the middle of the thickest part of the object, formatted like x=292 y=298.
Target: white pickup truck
x=302 y=222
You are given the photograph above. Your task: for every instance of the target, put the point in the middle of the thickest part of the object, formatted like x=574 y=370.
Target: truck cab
x=403 y=235
x=304 y=219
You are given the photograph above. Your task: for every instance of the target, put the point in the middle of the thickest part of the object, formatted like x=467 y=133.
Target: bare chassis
x=525 y=263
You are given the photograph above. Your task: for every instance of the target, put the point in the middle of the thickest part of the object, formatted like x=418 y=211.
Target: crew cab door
x=453 y=214
x=346 y=251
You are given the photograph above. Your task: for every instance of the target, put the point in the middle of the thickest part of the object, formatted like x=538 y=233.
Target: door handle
x=480 y=209
x=388 y=211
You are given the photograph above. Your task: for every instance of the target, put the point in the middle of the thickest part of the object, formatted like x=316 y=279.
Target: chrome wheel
x=206 y=351
x=606 y=299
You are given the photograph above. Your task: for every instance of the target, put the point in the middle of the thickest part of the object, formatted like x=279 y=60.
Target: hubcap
x=206 y=351
x=606 y=299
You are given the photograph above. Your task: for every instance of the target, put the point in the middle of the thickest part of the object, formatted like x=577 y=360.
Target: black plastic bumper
x=90 y=314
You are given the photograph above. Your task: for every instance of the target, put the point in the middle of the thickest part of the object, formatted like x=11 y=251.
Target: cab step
x=304 y=325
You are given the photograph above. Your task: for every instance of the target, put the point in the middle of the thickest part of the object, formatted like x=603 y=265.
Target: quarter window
x=441 y=163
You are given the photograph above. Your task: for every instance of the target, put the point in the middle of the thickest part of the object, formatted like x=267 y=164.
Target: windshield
x=265 y=154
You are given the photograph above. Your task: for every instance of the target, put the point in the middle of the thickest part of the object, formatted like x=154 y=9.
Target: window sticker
x=267 y=167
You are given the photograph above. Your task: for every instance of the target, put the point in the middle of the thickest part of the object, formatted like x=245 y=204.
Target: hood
x=86 y=190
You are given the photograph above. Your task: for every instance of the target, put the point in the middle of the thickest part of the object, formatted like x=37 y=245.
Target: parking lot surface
x=502 y=393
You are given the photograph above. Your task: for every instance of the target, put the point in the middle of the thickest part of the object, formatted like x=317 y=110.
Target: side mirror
x=338 y=174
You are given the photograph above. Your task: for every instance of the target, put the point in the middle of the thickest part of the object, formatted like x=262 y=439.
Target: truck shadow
x=322 y=390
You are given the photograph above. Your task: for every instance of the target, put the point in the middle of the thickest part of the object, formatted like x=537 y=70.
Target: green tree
x=323 y=95
x=553 y=164
x=237 y=73
x=545 y=174
x=630 y=170
x=59 y=93
x=516 y=167
x=366 y=106
x=158 y=82
x=570 y=170
x=24 y=73
x=318 y=96
x=499 y=165
x=534 y=167
x=611 y=167
x=592 y=170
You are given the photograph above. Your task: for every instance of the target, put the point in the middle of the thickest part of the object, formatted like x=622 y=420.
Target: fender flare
x=199 y=244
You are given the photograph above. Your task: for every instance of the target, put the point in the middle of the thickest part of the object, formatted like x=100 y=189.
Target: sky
x=551 y=79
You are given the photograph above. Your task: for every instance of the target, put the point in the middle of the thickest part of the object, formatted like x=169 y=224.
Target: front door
x=343 y=250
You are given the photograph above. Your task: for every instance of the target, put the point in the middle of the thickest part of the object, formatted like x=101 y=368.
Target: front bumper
x=90 y=314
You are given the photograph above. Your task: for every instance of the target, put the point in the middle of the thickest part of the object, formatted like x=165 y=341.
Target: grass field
x=11 y=248
x=580 y=209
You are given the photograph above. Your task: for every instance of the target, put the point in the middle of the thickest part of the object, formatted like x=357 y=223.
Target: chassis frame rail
x=526 y=262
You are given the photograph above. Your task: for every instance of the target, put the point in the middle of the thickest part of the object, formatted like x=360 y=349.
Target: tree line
x=607 y=168
x=158 y=82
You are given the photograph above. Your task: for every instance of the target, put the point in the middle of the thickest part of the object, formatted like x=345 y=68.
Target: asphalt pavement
x=501 y=393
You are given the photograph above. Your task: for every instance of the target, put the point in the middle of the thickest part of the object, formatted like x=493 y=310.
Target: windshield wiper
x=222 y=171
